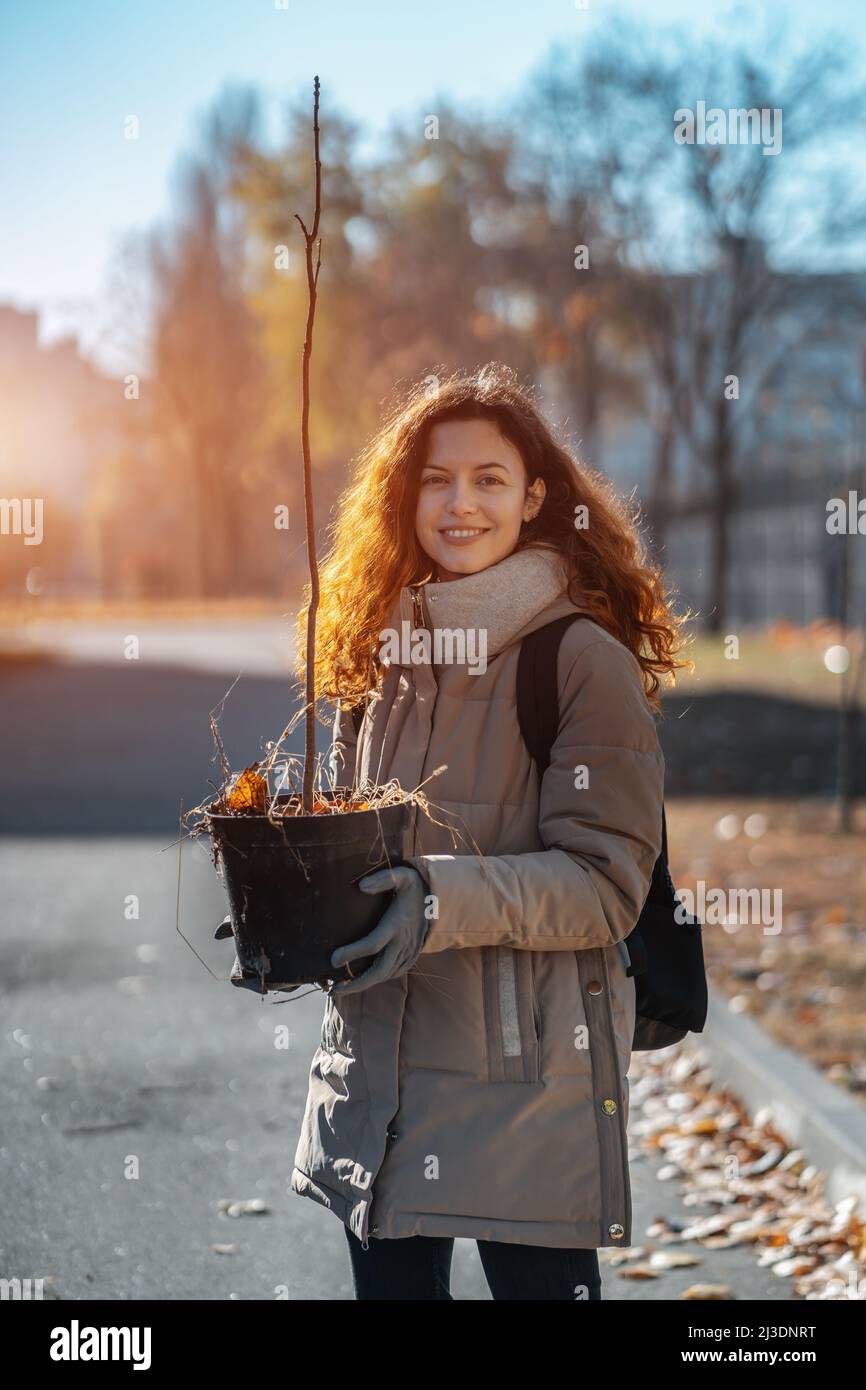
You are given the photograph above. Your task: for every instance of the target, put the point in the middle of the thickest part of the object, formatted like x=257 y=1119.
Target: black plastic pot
x=292 y=888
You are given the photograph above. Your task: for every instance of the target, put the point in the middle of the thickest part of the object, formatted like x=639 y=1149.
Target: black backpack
x=666 y=957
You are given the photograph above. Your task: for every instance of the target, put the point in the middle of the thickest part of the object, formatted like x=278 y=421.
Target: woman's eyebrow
x=444 y=467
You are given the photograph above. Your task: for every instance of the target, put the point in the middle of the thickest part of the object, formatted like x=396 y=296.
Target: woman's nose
x=461 y=503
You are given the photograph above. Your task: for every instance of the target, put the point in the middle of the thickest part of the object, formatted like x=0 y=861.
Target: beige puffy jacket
x=484 y=1093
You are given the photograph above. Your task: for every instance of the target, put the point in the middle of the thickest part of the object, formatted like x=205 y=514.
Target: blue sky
x=71 y=72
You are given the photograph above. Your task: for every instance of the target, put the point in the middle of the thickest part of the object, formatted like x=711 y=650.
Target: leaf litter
x=765 y=1193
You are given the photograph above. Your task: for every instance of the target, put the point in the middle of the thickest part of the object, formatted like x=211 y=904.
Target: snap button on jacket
x=484 y=1093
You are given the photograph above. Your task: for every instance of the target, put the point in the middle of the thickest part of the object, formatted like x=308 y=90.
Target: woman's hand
x=398 y=937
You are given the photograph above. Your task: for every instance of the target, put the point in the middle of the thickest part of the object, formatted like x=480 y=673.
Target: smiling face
x=473 y=498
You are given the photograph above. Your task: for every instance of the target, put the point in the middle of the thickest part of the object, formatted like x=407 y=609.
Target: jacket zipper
x=418 y=609
x=419 y=621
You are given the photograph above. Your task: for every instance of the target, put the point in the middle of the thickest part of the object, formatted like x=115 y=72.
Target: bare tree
x=205 y=365
x=712 y=239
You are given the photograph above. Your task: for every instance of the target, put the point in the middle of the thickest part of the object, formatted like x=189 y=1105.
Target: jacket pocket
x=512 y=1015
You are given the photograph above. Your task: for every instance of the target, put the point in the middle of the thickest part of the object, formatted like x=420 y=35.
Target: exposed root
x=177 y=900
x=254 y=796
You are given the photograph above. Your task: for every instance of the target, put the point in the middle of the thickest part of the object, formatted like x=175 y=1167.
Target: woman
x=472 y=1082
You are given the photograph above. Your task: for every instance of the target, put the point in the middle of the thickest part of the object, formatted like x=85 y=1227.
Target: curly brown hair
x=375 y=551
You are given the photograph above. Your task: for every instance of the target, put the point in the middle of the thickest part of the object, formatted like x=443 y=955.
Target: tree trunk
x=659 y=503
x=723 y=504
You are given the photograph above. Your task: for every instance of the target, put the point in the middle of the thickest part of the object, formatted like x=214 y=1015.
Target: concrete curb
x=812 y=1114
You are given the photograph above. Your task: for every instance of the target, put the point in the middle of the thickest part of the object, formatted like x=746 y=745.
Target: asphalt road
x=111 y=748
x=138 y=1092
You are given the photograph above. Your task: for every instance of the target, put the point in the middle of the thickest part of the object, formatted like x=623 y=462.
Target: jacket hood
x=506 y=601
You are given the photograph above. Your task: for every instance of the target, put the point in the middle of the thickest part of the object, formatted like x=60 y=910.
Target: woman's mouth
x=463 y=535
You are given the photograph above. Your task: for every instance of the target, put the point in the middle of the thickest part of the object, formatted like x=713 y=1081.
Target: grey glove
x=245 y=979
x=398 y=938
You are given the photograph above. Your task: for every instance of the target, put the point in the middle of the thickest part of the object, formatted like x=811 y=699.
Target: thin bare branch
x=312 y=276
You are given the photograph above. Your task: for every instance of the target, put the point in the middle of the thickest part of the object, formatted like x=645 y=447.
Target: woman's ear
x=535 y=495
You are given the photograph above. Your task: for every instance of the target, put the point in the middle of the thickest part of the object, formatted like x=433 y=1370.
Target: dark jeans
x=420 y=1267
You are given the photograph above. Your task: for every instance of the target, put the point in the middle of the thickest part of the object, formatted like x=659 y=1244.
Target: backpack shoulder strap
x=538 y=717
x=538 y=689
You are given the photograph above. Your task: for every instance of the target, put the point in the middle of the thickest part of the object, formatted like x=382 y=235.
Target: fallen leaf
x=673 y=1259
x=253 y=1206
x=249 y=792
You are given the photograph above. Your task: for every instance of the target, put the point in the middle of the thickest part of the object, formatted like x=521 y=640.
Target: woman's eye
x=439 y=478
